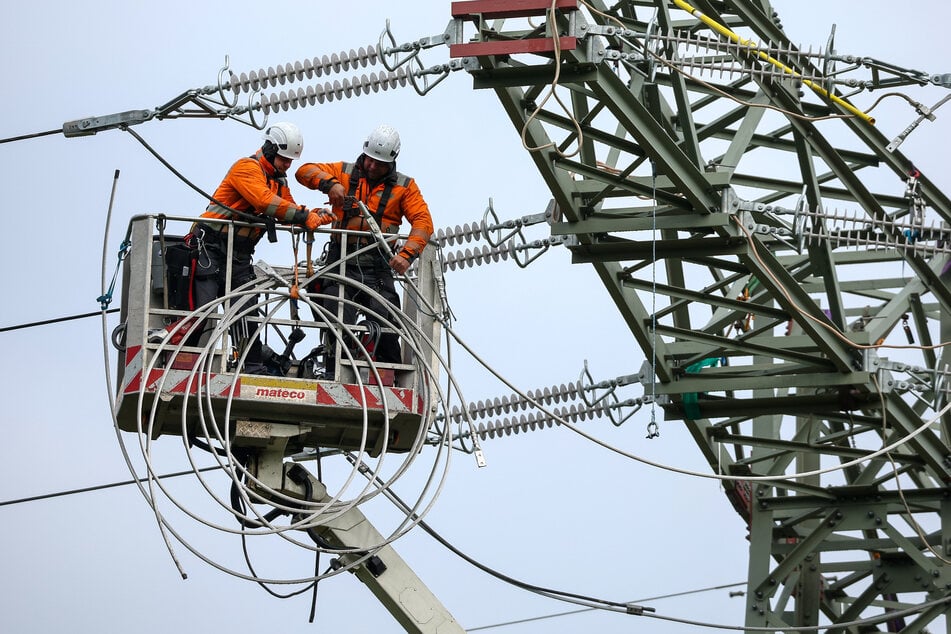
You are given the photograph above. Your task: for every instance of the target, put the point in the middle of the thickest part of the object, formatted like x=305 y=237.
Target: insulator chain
x=856 y=230
x=919 y=379
x=535 y=420
x=694 y=52
x=507 y=404
x=697 y=43
x=598 y=400
x=491 y=229
x=730 y=71
x=474 y=257
x=328 y=91
x=721 y=67
x=459 y=234
x=396 y=74
x=919 y=241
x=522 y=254
x=505 y=239
x=298 y=71
x=540 y=420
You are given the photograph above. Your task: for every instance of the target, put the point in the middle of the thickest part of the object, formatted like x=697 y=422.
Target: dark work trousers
x=373 y=271
x=210 y=279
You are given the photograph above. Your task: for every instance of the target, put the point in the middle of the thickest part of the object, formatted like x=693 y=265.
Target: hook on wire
x=419 y=75
x=493 y=234
x=587 y=384
x=106 y=298
x=634 y=404
x=230 y=103
x=394 y=49
x=799 y=220
x=651 y=57
x=258 y=106
x=422 y=75
x=515 y=249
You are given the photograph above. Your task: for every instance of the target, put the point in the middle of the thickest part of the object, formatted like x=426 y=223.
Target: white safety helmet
x=383 y=144
x=287 y=138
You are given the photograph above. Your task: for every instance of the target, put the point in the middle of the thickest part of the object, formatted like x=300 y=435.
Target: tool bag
x=181 y=259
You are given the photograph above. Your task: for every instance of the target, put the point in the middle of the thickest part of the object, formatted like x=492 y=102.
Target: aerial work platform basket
x=200 y=390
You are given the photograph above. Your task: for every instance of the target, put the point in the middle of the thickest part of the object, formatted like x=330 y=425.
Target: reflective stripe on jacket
x=250 y=186
x=404 y=201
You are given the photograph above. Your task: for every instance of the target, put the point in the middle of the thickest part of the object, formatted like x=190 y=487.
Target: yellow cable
x=722 y=30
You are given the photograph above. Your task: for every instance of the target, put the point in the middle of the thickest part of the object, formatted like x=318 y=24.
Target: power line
x=105 y=486
x=56 y=320
x=31 y=136
x=579 y=611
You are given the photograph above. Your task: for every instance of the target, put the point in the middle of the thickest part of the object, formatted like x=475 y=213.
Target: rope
x=106 y=298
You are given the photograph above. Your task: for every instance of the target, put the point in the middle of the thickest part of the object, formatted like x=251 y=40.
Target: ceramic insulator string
x=329 y=91
x=298 y=71
x=475 y=257
x=538 y=420
x=458 y=235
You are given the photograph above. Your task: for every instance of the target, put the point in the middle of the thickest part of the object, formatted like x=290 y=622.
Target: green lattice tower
x=779 y=262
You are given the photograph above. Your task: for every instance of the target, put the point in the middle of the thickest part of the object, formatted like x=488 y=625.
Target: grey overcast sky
x=549 y=508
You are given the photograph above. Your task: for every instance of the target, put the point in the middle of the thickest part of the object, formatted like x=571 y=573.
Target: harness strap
x=249 y=215
x=351 y=211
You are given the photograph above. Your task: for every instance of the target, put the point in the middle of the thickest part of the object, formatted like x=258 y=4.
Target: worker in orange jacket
x=254 y=190
x=391 y=197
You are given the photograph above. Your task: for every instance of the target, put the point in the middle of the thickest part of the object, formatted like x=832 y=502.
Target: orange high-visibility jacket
x=404 y=201
x=250 y=186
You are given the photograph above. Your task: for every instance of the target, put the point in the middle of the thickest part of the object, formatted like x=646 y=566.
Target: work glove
x=318 y=218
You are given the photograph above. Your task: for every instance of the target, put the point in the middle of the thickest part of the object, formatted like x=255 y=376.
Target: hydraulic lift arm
x=385 y=573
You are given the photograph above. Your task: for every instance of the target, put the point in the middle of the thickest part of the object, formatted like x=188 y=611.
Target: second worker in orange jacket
x=390 y=197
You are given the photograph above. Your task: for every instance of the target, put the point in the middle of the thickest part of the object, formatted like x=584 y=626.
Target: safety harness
x=248 y=215
x=350 y=208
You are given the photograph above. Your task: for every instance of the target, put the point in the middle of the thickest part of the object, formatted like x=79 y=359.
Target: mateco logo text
x=280 y=393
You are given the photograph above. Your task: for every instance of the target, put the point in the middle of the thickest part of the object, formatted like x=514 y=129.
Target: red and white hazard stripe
x=372 y=397
x=396 y=400
x=175 y=381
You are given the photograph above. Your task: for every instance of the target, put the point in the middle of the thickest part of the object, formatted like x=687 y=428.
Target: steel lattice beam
x=778 y=342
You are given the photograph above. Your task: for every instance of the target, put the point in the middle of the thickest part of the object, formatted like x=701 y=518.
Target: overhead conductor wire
x=910 y=518
x=109 y=390
x=749 y=478
x=666 y=467
x=631 y=608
